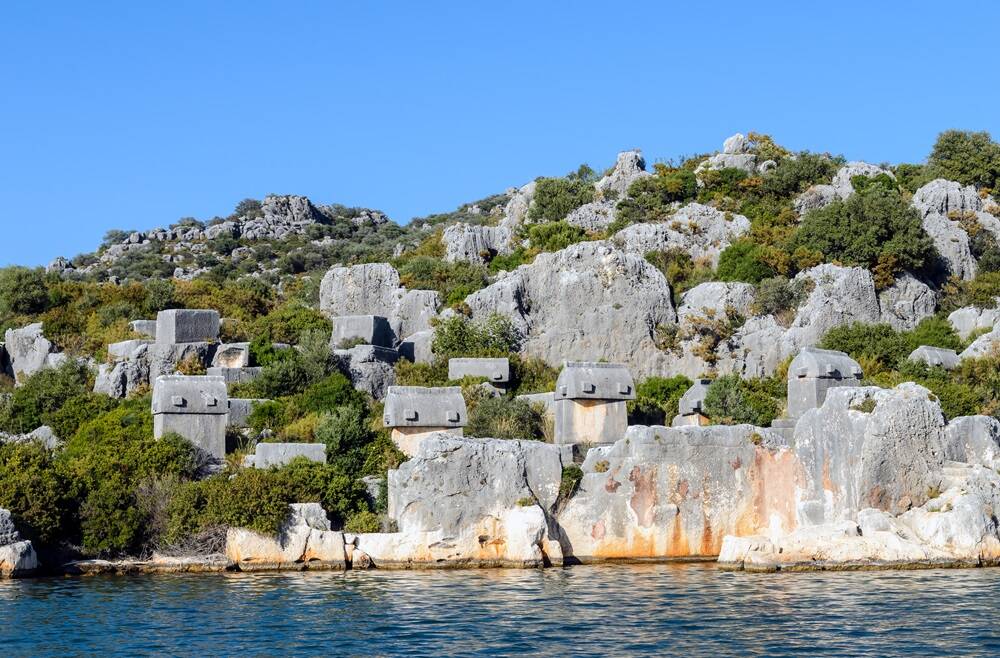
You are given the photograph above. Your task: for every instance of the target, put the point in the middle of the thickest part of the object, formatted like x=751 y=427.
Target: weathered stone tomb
x=590 y=402
x=197 y=408
x=415 y=412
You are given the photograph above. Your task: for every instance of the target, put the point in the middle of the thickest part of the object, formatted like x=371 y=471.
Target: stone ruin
x=415 y=412
x=590 y=402
x=815 y=371
x=935 y=356
x=267 y=455
x=196 y=408
x=369 y=363
x=691 y=405
x=496 y=371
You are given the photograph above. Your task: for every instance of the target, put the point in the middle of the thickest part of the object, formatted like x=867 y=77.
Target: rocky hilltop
x=786 y=359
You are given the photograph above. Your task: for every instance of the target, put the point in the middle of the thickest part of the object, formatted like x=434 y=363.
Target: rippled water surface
x=690 y=609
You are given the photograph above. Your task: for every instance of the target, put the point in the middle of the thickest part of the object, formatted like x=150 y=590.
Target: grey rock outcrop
x=973 y=440
x=43 y=435
x=590 y=301
x=971 y=319
x=475 y=243
x=701 y=231
x=374 y=289
x=17 y=556
x=454 y=483
x=906 y=302
x=674 y=492
x=516 y=210
x=935 y=201
x=370 y=368
x=29 y=351
x=418 y=347
x=629 y=167
x=715 y=298
x=593 y=216
x=985 y=345
x=737 y=153
x=888 y=456
x=304 y=542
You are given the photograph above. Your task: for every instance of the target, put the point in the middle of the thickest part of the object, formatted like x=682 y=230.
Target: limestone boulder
x=374 y=289
x=475 y=243
x=973 y=440
x=516 y=210
x=869 y=447
x=820 y=196
x=675 y=492
x=701 y=231
x=370 y=368
x=304 y=542
x=937 y=201
x=28 y=351
x=906 y=302
x=594 y=216
x=715 y=299
x=986 y=345
x=17 y=556
x=164 y=358
x=629 y=167
x=737 y=153
x=590 y=301
x=972 y=319
x=454 y=483
x=418 y=347
x=44 y=435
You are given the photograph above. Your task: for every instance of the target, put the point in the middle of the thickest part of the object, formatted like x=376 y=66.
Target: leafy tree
x=743 y=261
x=35 y=492
x=971 y=158
x=23 y=291
x=557 y=197
x=874 y=228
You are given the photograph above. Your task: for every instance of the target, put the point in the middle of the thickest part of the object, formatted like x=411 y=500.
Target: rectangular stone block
x=280 y=454
x=587 y=380
x=590 y=421
x=418 y=406
x=187 y=326
x=145 y=328
x=205 y=431
x=369 y=329
x=496 y=371
x=236 y=375
x=232 y=355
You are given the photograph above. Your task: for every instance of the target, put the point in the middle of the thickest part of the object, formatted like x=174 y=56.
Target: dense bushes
x=743 y=261
x=557 y=197
x=505 y=418
x=971 y=158
x=875 y=229
x=58 y=397
x=731 y=400
x=22 y=291
x=656 y=400
x=879 y=347
x=650 y=198
x=454 y=281
x=553 y=236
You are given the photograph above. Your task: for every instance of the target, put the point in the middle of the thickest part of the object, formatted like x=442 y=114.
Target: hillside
x=723 y=266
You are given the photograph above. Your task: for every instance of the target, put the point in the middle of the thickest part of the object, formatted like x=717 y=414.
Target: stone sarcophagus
x=813 y=372
x=496 y=371
x=691 y=405
x=590 y=404
x=187 y=326
x=196 y=408
x=414 y=412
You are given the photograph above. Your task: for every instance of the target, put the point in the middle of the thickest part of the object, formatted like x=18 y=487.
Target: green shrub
x=875 y=229
x=23 y=291
x=875 y=344
x=531 y=375
x=270 y=415
x=911 y=177
x=680 y=270
x=454 y=281
x=57 y=396
x=504 y=418
x=553 y=236
x=330 y=393
x=937 y=332
x=656 y=400
x=458 y=336
x=363 y=521
x=795 y=175
x=731 y=401
x=557 y=197
x=288 y=322
x=571 y=476
x=511 y=261
x=422 y=374
x=743 y=261
x=971 y=158
x=346 y=431
x=35 y=491
x=280 y=378
x=651 y=198
x=778 y=295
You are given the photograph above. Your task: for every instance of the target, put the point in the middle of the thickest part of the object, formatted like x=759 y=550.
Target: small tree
x=23 y=291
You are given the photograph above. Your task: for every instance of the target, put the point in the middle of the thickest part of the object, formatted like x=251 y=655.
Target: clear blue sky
x=134 y=114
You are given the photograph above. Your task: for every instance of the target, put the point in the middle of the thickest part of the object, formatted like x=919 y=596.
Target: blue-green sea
x=613 y=610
